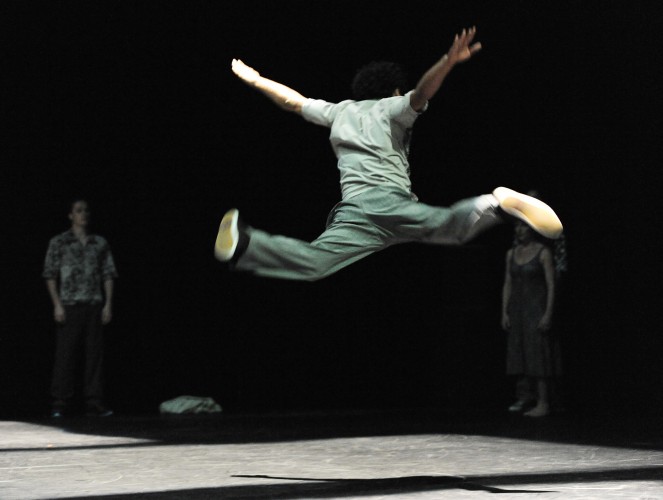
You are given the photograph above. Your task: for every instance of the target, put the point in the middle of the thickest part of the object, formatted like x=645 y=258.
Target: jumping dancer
x=370 y=137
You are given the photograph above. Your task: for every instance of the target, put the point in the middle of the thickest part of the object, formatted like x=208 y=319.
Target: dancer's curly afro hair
x=378 y=79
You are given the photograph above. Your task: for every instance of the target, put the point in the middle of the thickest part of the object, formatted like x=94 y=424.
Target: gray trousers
x=363 y=225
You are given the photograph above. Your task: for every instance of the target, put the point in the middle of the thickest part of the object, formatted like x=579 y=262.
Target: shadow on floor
x=338 y=488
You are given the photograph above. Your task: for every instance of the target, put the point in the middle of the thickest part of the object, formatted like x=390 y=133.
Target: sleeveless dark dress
x=530 y=352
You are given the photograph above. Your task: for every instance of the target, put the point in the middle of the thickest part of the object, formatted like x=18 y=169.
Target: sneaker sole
x=228 y=236
x=533 y=212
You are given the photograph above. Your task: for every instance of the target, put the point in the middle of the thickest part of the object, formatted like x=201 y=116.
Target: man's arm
x=430 y=82
x=284 y=97
x=58 y=309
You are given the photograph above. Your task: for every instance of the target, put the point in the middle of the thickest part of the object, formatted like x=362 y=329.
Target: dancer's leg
x=227 y=239
x=401 y=219
x=363 y=225
x=408 y=220
x=348 y=238
x=358 y=227
x=533 y=212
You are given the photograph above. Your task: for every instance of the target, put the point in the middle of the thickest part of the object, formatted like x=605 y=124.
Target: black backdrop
x=132 y=105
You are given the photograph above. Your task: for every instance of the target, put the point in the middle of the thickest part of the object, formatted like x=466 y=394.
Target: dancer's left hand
x=461 y=50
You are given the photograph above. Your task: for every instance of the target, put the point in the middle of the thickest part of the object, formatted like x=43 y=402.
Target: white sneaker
x=228 y=236
x=531 y=211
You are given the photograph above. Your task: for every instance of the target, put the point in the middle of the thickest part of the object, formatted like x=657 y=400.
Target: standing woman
x=528 y=300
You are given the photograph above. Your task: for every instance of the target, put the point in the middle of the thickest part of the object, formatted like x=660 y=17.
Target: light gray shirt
x=371 y=140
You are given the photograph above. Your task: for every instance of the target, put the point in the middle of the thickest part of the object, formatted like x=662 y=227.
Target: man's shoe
x=531 y=211
x=231 y=240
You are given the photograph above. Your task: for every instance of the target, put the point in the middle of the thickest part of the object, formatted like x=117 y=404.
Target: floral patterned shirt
x=80 y=269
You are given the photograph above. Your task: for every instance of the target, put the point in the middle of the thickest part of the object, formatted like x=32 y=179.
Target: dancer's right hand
x=246 y=73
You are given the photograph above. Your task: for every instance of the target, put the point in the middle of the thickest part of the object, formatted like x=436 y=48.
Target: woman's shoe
x=540 y=410
x=519 y=405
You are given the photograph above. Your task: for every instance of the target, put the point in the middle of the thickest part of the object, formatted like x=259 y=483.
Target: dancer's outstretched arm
x=284 y=97
x=461 y=50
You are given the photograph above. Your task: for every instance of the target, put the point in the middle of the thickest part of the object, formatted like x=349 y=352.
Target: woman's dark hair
x=378 y=79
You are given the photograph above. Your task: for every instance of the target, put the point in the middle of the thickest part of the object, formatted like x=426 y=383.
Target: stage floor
x=418 y=454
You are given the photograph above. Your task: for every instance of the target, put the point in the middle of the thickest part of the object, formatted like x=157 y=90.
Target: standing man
x=79 y=273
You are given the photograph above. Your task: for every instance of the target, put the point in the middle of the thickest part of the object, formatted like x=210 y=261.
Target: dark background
x=132 y=105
